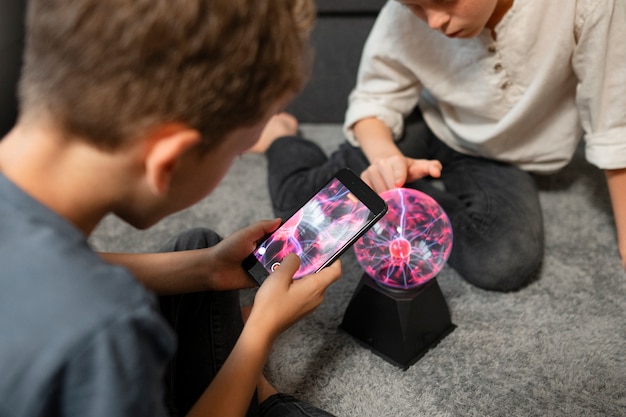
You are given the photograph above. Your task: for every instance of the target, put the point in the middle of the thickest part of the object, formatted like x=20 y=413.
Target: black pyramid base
x=399 y=326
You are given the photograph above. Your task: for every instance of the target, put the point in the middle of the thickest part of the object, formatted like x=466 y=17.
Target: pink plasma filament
x=410 y=244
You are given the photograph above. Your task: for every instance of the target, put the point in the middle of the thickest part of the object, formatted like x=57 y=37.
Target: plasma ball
x=410 y=244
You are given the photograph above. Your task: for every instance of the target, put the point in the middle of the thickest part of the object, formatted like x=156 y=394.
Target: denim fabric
x=207 y=325
x=493 y=207
x=281 y=405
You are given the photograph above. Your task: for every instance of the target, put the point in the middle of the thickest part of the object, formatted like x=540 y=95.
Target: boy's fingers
x=268 y=226
x=288 y=266
x=399 y=176
x=325 y=277
x=370 y=180
x=260 y=229
x=435 y=169
x=420 y=168
x=374 y=179
x=331 y=273
x=392 y=172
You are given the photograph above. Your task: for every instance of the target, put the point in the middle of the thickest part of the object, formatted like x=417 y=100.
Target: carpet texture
x=554 y=348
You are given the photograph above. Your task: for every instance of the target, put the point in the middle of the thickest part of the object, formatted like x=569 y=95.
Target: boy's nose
x=437 y=19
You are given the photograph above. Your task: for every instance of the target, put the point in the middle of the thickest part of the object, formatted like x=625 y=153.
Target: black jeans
x=207 y=325
x=493 y=207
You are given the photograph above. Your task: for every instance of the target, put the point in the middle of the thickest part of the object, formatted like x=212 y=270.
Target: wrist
x=197 y=266
x=260 y=332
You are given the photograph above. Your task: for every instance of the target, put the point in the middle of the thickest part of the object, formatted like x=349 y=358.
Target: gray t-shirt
x=78 y=336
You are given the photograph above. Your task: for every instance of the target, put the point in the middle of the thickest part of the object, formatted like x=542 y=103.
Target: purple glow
x=410 y=244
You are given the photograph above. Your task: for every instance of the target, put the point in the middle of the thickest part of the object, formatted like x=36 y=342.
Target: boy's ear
x=165 y=147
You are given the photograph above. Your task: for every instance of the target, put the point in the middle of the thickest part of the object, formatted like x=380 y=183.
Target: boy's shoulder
x=46 y=258
x=63 y=309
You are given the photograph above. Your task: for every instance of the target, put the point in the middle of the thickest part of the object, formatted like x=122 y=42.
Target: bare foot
x=282 y=124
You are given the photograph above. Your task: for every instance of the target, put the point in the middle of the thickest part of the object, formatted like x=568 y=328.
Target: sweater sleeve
x=600 y=64
x=386 y=88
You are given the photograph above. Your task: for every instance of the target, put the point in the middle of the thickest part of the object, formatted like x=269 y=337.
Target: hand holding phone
x=282 y=301
x=322 y=229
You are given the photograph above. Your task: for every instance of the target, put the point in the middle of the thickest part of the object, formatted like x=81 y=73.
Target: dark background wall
x=338 y=37
x=11 y=45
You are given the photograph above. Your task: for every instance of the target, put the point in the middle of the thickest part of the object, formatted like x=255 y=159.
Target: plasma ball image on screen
x=315 y=232
x=410 y=244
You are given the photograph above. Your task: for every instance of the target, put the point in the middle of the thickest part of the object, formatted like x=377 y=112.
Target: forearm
x=616 y=180
x=231 y=390
x=279 y=302
x=375 y=139
x=168 y=272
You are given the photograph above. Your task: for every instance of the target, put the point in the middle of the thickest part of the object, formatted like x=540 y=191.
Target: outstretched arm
x=212 y=269
x=616 y=180
x=280 y=302
x=389 y=168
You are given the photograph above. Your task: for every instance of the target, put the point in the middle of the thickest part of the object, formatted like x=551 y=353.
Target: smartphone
x=322 y=229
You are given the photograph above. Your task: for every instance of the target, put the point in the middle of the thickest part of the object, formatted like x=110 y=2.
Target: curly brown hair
x=108 y=70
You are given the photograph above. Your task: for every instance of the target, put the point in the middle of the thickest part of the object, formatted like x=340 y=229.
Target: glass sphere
x=410 y=244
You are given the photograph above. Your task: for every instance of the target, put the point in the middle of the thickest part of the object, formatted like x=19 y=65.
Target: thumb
x=420 y=168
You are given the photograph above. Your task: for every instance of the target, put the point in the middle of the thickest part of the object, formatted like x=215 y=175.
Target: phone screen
x=329 y=222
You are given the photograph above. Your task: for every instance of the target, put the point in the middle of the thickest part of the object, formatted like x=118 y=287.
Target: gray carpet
x=555 y=348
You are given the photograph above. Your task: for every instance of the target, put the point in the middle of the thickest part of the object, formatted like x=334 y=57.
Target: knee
x=293 y=191
x=196 y=238
x=507 y=266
